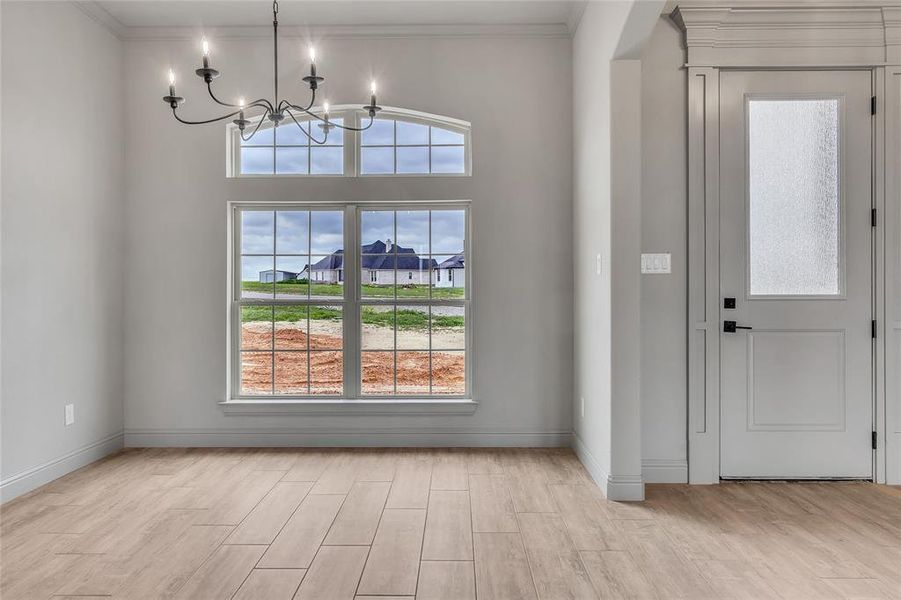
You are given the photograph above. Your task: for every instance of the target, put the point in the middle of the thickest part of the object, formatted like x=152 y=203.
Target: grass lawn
x=406 y=319
x=369 y=291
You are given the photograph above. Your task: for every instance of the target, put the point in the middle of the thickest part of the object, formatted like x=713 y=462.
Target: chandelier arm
x=258 y=102
x=255 y=129
x=345 y=127
x=371 y=121
x=286 y=104
x=309 y=135
x=222 y=118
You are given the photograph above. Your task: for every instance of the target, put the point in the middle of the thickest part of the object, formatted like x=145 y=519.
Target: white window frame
x=352 y=400
x=355 y=117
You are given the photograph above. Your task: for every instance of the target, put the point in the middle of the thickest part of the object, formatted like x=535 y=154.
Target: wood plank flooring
x=455 y=524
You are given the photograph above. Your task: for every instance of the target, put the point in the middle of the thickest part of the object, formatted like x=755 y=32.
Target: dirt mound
x=288 y=336
x=325 y=371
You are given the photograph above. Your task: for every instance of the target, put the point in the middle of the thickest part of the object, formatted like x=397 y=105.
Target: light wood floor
x=332 y=524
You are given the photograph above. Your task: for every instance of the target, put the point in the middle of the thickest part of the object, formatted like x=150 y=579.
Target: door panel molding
x=703 y=260
x=755 y=422
x=724 y=37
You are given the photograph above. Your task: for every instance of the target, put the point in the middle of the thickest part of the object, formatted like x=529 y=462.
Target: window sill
x=349 y=407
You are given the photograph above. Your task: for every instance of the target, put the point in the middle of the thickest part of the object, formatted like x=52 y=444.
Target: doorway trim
x=866 y=36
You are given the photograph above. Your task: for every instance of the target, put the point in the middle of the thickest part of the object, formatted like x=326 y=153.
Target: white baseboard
x=136 y=438
x=625 y=488
x=35 y=477
x=664 y=470
x=594 y=468
x=619 y=488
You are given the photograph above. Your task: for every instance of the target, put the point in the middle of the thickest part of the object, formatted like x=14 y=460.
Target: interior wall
x=516 y=91
x=594 y=44
x=664 y=228
x=62 y=243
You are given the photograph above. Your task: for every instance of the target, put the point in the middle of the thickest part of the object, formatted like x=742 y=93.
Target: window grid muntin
x=352 y=144
x=396 y=302
x=275 y=145
x=395 y=145
x=350 y=303
x=275 y=302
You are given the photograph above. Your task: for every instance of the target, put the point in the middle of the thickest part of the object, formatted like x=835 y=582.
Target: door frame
x=722 y=38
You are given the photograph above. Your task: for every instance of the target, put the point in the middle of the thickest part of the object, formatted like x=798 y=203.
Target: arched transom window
x=399 y=143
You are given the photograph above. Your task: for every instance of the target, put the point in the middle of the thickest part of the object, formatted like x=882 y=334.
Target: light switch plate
x=70 y=414
x=656 y=264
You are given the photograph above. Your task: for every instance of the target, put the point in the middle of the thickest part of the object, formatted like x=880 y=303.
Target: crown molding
x=786 y=35
x=99 y=15
x=575 y=16
x=891 y=17
x=552 y=30
x=174 y=34
x=671 y=5
x=460 y=30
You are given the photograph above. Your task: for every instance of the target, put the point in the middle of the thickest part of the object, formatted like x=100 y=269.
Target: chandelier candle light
x=275 y=110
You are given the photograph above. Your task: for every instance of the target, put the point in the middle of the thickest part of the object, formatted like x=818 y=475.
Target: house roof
x=454 y=262
x=278 y=271
x=379 y=256
x=330 y=262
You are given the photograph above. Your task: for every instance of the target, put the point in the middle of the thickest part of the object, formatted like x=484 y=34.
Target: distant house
x=328 y=270
x=379 y=260
x=271 y=275
x=451 y=273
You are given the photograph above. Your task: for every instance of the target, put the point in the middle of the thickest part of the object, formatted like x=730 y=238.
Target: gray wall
x=609 y=91
x=664 y=311
x=593 y=48
x=517 y=92
x=62 y=243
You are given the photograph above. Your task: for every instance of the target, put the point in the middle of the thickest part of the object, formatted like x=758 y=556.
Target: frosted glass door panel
x=795 y=206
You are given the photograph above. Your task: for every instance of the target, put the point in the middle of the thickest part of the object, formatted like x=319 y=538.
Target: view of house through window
x=413 y=325
x=298 y=317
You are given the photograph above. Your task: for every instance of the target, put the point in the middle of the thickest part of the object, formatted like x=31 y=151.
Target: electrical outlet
x=582 y=406
x=70 y=414
x=655 y=264
x=599 y=263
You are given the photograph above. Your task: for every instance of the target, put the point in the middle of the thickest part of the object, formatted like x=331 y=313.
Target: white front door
x=796 y=257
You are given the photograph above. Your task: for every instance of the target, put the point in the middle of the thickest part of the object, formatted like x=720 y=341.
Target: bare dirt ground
x=326 y=368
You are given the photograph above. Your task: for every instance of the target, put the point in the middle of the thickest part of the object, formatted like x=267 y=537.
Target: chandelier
x=275 y=110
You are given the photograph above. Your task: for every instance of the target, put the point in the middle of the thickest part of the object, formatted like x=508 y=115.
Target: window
x=291 y=329
x=794 y=201
x=413 y=335
x=392 y=146
x=400 y=142
x=286 y=150
x=309 y=321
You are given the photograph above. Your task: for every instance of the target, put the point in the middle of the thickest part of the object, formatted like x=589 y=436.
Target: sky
x=322 y=232
x=377 y=155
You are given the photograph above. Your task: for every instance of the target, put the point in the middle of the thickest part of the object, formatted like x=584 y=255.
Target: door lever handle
x=732 y=326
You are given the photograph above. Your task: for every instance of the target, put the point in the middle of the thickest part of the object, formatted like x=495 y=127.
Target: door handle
x=732 y=326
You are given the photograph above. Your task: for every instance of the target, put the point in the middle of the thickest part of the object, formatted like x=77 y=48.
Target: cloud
x=322 y=232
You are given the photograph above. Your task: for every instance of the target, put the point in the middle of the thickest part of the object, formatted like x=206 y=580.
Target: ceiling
x=218 y=13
